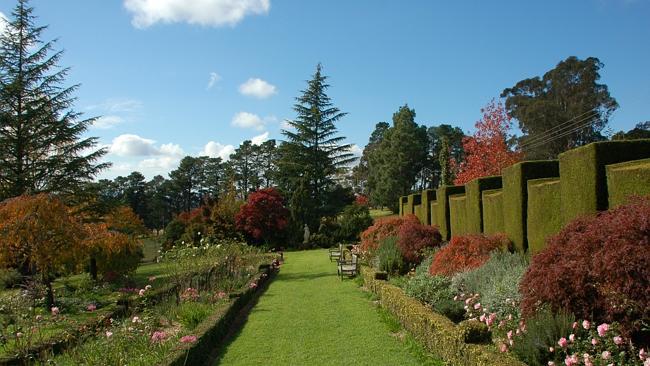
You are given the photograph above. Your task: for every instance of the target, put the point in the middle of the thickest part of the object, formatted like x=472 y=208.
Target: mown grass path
x=309 y=317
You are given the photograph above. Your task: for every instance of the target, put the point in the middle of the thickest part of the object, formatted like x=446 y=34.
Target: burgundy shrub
x=413 y=238
x=597 y=267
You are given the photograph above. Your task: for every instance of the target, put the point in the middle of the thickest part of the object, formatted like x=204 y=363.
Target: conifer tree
x=41 y=143
x=315 y=152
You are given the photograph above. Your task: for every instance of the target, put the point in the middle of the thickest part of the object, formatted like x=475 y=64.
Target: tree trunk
x=93 y=268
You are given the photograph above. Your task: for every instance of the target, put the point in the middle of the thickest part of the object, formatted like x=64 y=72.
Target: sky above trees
x=174 y=78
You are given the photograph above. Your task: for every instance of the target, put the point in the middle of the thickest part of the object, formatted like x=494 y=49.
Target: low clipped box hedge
x=458 y=214
x=474 y=198
x=493 y=211
x=584 y=181
x=515 y=196
x=544 y=216
x=457 y=345
x=627 y=179
x=442 y=211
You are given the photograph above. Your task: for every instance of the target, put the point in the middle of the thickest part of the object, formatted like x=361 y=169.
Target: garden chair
x=336 y=253
x=349 y=267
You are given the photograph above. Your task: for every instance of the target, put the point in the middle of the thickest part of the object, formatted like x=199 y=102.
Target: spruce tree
x=41 y=144
x=315 y=152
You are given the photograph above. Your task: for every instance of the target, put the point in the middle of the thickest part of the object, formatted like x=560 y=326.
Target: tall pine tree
x=41 y=144
x=314 y=151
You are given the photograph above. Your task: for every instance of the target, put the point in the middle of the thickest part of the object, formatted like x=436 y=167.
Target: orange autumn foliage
x=38 y=234
x=381 y=229
x=465 y=252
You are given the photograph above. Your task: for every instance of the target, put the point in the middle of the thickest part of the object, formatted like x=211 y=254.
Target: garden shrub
x=435 y=291
x=543 y=330
x=173 y=232
x=414 y=238
x=353 y=221
x=381 y=229
x=389 y=256
x=497 y=281
x=465 y=253
x=9 y=278
x=597 y=267
x=191 y=314
x=263 y=217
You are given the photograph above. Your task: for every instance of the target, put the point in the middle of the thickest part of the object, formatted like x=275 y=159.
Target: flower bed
x=455 y=344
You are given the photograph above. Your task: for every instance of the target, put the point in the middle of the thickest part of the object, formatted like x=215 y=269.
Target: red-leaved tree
x=263 y=216
x=487 y=151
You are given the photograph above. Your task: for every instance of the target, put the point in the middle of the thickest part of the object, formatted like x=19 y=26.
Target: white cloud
x=248 y=120
x=203 y=12
x=258 y=88
x=117 y=105
x=3 y=22
x=259 y=139
x=214 y=79
x=163 y=162
x=133 y=145
x=356 y=150
x=107 y=122
x=217 y=150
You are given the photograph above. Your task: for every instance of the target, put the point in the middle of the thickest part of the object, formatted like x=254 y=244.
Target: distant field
x=151 y=246
x=383 y=213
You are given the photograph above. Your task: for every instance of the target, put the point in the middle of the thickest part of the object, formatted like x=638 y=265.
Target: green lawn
x=309 y=317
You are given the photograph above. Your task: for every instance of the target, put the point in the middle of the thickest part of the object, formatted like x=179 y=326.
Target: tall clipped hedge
x=515 y=196
x=411 y=201
x=458 y=214
x=402 y=202
x=544 y=216
x=473 y=192
x=627 y=179
x=442 y=212
x=417 y=211
x=426 y=197
x=433 y=211
x=493 y=211
x=584 y=180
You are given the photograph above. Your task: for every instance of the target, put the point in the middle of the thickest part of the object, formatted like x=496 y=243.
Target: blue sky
x=185 y=77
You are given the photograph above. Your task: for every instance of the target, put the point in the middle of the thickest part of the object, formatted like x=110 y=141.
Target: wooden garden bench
x=336 y=253
x=349 y=267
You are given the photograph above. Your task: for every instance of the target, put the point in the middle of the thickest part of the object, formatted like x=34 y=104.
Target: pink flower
x=618 y=340
x=136 y=319
x=482 y=318
x=91 y=307
x=147 y=287
x=602 y=329
x=490 y=320
x=152 y=278
x=477 y=306
x=456 y=298
x=575 y=325
x=586 y=324
x=562 y=342
x=469 y=299
x=221 y=294
x=253 y=285
x=646 y=362
x=587 y=359
x=39 y=318
x=503 y=347
x=606 y=355
x=188 y=339
x=551 y=363
x=109 y=334
x=502 y=323
x=571 y=360
x=642 y=354
x=158 y=336
x=19 y=334
x=572 y=337
x=141 y=292
x=594 y=341
x=551 y=349
x=509 y=316
x=55 y=311
x=510 y=334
